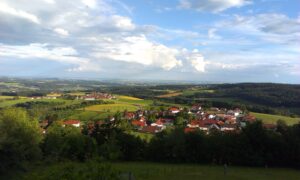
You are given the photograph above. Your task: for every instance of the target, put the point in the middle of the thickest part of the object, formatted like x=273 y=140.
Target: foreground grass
x=272 y=119
x=156 y=171
x=191 y=172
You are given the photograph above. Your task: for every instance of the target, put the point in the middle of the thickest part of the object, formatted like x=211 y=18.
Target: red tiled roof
x=138 y=123
x=173 y=109
x=189 y=130
x=151 y=129
x=209 y=121
x=129 y=115
x=71 y=122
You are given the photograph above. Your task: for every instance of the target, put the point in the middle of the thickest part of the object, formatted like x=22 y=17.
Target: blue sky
x=194 y=40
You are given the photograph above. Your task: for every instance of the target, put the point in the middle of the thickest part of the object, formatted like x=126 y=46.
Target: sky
x=184 y=40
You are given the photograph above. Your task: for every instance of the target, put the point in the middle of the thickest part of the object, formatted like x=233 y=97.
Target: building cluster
x=96 y=96
x=213 y=119
x=48 y=96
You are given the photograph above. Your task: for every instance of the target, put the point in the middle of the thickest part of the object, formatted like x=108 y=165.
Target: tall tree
x=20 y=137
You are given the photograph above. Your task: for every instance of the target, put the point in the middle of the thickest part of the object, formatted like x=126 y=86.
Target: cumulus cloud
x=37 y=50
x=138 y=49
x=212 y=5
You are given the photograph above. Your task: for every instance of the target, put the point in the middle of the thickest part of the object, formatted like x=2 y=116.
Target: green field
x=192 y=91
x=111 y=107
x=6 y=97
x=272 y=119
x=9 y=103
x=86 y=116
x=155 y=171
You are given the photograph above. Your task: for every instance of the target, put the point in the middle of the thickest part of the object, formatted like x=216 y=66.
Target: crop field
x=111 y=107
x=272 y=119
x=169 y=95
x=86 y=116
x=6 y=97
x=121 y=97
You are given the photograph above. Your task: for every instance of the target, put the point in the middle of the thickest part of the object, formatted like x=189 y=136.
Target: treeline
x=253 y=146
x=22 y=140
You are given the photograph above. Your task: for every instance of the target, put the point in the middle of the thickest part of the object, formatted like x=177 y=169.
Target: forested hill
x=275 y=95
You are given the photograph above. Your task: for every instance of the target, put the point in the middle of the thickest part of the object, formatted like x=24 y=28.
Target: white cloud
x=138 y=49
x=275 y=28
x=50 y=1
x=90 y=3
x=61 y=31
x=4 y=8
x=212 y=5
x=121 y=22
x=195 y=58
x=212 y=34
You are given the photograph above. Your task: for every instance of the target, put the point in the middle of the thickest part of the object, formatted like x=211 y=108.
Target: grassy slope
x=272 y=119
x=155 y=171
x=171 y=171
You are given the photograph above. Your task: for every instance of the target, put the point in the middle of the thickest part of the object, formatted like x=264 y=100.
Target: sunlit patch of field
x=272 y=119
x=169 y=95
x=6 y=97
x=112 y=107
x=127 y=97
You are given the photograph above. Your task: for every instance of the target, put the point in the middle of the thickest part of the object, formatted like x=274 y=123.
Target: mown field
x=272 y=119
x=111 y=107
x=156 y=171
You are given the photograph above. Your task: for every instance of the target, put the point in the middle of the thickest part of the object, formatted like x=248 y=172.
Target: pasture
x=111 y=107
x=272 y=119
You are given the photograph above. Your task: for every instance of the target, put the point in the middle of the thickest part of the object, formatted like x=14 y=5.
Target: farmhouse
x=139 y=123
x=129 y=115
x=174 y=110
x=151 y=129
x=163 y=122
x=196 y=108
x=75 y=123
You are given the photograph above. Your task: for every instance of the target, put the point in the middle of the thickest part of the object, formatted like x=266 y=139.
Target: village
x=192 y=119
